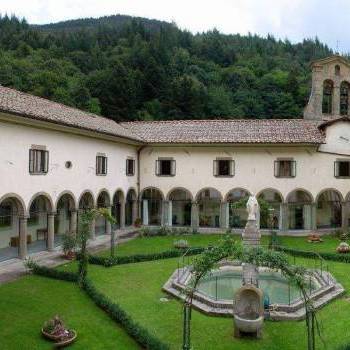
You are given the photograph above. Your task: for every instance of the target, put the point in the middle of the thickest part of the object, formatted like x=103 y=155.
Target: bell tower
x=330 y=91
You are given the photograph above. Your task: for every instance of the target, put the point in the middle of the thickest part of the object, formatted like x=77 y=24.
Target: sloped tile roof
x=13 y=101
x=246 y=131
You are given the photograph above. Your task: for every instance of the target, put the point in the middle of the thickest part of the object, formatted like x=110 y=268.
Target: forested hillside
x=132 y=68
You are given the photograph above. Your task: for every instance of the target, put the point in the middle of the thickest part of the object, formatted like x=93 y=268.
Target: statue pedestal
x=251 y=234
x=251 y=238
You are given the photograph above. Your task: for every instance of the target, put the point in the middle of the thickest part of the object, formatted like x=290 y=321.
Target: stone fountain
x=248 y=308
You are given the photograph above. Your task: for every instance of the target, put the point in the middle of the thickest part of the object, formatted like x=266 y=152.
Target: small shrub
x=69 y=244
x=138 y=222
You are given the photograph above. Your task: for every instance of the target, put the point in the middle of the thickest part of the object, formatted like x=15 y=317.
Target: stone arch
x=152 y=206
x=90 y=195
x=131 y=206
x=151 y=188
x=209 y=207
x=330 y=189
x=107 y=198
x=180 y=204
x=344 y=97
x=329 y=209
x=236 y=189
x=207 y=189
x=179 y=189
x=299 y=209
x=272 y=218
x=301 y=190
x=237 y=216
x=72 y=200
x=327 y=96
x=51 y=208
x=17 y=200
x=118 y=192
x=270 y=189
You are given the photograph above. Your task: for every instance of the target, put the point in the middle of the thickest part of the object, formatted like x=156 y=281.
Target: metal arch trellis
x=260 y=257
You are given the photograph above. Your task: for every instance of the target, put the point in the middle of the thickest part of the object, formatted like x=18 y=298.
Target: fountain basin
x=247 y=324
x=324 y=288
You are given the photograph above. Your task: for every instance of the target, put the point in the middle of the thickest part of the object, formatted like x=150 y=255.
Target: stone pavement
x=14 y=268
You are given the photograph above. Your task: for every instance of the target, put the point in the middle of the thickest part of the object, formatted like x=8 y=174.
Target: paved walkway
x=14 y=268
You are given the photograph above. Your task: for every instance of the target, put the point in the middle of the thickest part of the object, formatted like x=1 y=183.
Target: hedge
x=53 y=273
x=137 y=332
x=345 y=258
x=120 y=260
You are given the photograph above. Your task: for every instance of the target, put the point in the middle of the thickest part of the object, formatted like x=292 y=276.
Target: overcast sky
x=294 y=19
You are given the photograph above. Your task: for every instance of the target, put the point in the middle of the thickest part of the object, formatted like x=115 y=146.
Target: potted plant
x=343 y=248
x=55 y=330
x=181 y=244
x=138 y=222
x=69 y=244
x=314 y=238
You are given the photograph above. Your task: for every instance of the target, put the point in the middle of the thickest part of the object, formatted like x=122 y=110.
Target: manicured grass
x=26 y=303
x=148 y=245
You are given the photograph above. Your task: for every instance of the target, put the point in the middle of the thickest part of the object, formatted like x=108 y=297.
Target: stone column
x=122 y=214
x=170 y=213
x=336 y=99
x=134 y=211
x=145 y=212
x=285 y=218
x=345 y=215
x=23 y=229
x=224 y=215
x=166 y=213
x=73 y=221
x=51 y=231
x=194 y=216
x=313 y=217
x=108 y=224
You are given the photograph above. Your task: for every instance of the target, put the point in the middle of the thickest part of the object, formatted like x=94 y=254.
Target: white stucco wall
x=254 y=169
x=337 y=139
x=16 y=140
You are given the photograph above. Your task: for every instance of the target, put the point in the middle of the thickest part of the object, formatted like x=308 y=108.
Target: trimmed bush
x=137 y=332
x=120 y=260
x=345 y=258
x=52 y=273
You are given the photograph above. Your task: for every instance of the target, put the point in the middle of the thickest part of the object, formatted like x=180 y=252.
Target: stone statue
x=252 y=208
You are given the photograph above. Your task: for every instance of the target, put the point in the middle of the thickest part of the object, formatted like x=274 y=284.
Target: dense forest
x=138 y=69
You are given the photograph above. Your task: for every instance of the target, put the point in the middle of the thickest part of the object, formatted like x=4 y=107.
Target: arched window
x=327 y=99
x=152 y=206
x=337 y=70
x=181 y=207
x=237 y=216
x=299 y=210
x=329 y=210
x=344 y=98
x=209 y=201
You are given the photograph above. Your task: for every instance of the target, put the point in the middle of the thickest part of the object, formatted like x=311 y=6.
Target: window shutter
x=172 y=167
x=106 y=165
x=232 y=167
x=46 y=161
x=127 y=171
x=97 y=165
x=157 y=167
x=216 y=167
x=31 y=161
x=336 y=169
x=294 y=166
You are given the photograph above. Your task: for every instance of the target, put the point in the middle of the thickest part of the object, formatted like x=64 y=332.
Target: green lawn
x=26 y=303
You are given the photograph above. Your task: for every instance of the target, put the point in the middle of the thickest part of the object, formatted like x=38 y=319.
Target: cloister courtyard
x=137 y=287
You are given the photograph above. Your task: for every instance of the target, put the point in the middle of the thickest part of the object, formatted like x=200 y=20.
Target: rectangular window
x=342 y=168
x=165 y=167
x=285 y=168
x=224 y=167
x=38 y=161
x=101 y=165
x=130 y=167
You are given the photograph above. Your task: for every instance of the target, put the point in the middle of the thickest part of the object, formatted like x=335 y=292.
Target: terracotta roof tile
x=229 y=131
x=13 y=101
